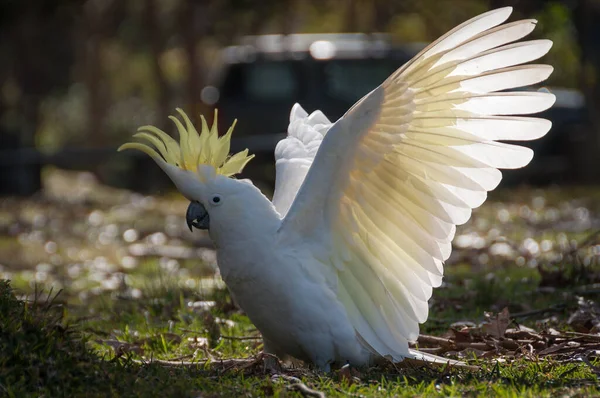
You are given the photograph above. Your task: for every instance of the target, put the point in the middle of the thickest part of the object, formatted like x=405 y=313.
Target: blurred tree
x=587 y=21
x=351 y=16
x=156 y=39
x=383 y=12
x=88 y=72
x=35 y=64
x=95 y=26
x=194 y=23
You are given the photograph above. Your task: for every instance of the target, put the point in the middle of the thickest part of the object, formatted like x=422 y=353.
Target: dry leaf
x=497 y=325
x=346 y=374
x=587 y=317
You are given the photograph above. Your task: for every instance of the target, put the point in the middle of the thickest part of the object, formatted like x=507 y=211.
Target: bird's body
x=340 y=266
x=296 y=312
x=280 y=286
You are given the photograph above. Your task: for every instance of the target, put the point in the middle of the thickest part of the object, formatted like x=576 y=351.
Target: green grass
x=48 y=349
x=121 y=310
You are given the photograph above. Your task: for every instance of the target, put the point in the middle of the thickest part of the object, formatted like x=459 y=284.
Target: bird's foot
x=271 y=363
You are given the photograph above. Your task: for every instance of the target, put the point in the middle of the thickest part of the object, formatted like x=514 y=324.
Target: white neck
x=251 y=220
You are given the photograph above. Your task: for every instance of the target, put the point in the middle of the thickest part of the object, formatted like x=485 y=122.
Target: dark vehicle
x=557 y=158
x=264 y=76
x=260 y=80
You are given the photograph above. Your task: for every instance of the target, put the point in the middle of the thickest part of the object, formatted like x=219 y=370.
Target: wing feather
x=294 y=154
x=406 y=164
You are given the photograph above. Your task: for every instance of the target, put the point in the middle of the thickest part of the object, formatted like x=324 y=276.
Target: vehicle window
x=349 y=80
x=270 y=81
x=261 y=81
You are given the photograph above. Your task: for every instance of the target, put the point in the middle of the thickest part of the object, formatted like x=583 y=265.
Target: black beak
x=197 y=216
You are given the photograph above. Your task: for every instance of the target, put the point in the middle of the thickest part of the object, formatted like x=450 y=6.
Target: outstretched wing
x=295 y=153
x=406 y=164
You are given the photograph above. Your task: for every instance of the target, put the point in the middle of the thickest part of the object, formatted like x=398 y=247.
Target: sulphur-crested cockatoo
x=339 y=267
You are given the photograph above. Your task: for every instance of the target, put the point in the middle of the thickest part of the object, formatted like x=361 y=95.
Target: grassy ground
x=144 y=313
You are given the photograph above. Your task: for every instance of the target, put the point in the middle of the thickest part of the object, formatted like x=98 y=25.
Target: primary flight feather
x=341 y=264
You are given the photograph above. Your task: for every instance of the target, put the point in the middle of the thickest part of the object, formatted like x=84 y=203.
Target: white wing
x=295 y=153
x=406 y=164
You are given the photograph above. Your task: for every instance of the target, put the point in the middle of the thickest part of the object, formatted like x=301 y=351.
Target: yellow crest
x=194 y=149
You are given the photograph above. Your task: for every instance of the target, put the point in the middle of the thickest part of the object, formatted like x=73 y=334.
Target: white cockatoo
x=339 y=267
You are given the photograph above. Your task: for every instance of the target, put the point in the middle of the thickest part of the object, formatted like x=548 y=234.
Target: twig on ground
x=297 y=385
x=553 y=308
x=224 y=363
x=241 y=338
x=584 y=336
x=593 y=367
x=181 y=358
x=262 y=356
x=435 y=340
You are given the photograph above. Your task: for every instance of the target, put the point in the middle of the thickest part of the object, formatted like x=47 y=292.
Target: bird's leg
x=324 y=367
x=271 y=360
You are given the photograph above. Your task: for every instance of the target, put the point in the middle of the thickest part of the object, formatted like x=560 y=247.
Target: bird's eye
x=216 y=200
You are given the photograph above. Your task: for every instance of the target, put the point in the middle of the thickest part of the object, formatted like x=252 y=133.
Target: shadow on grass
x=42 y=355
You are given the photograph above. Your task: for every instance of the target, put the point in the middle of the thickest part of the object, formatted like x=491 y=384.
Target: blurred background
x=77 y=78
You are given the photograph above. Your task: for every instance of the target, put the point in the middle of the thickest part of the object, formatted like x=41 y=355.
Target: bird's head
x=199 y=165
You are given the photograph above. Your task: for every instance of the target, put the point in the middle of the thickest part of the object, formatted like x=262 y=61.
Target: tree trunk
x=156 y=40
x=190 y=12
x=93 y=26
x=351 y=17
x=38 y=63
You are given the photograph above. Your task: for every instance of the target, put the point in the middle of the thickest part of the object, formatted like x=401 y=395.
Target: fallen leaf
x=346 y=374
x=496 y=325
x=586 y=318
